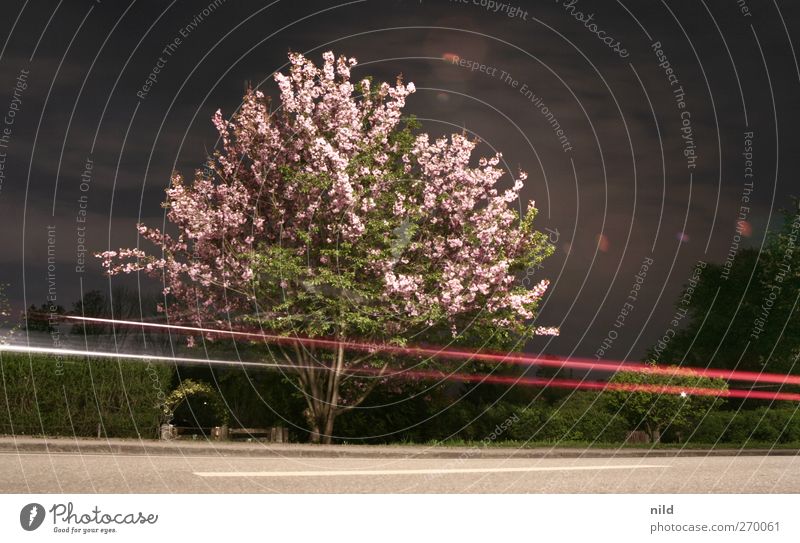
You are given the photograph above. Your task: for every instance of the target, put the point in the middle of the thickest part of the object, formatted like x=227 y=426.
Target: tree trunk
x=327 y=407
x=653 y=432
x=314 y=434
x=321 y=390
x=320 y=422
x=327 y=436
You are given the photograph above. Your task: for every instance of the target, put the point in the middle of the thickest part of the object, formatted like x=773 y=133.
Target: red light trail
x=462 y=354
x=595 y=385
x=435 y=375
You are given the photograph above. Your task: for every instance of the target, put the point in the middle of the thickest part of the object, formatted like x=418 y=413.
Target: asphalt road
x=121 y=473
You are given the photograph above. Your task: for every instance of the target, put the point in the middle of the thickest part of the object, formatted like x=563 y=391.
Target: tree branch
x=369 y=389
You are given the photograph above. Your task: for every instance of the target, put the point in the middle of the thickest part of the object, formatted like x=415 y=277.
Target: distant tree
x=744 y=314
x=44 y=318
x=94 y=305
x=123 y=304
x=653 y=412
x=328 y=217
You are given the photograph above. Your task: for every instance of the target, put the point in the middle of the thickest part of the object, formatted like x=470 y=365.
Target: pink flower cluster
x=471 y=238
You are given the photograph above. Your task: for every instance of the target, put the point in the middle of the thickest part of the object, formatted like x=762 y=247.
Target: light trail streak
x=462 y=354
x=439 y=375
x=596 y=385
x=144 y=357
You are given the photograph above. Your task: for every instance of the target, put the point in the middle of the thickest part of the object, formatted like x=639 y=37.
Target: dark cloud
x=625 y=177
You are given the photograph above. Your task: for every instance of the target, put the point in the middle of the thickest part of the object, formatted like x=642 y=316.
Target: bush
x=418 y=418
x=762 y=425
x=260 y=399
x=711 y=428
x=531 y=424
x=48 y=395
x=577 y=418
x=655 y=411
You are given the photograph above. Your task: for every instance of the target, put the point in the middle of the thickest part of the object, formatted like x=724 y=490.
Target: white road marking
x=339 y=473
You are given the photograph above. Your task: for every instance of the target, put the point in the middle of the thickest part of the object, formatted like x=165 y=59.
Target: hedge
x=774 y=425
x=49 y=395
x=568 y=423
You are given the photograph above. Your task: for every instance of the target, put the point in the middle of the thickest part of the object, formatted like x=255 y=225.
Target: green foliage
x=46 y=395
x=654 y=412
x=437 y=417
x=189 y=388
x=420 y=414
x=260 y=399
x=581 y=417
x=38 y=319
x=770 y=426
x=253 y=398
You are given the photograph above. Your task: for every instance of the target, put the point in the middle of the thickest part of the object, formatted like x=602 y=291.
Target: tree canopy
x=655 y=411
x=746 y=318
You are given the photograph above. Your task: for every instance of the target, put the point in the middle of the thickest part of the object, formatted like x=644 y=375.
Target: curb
x=176 y=448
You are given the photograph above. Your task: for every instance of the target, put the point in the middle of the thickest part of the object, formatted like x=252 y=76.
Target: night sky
x=631 y=124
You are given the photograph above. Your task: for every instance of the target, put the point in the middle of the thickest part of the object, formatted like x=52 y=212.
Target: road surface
x=65 y=472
